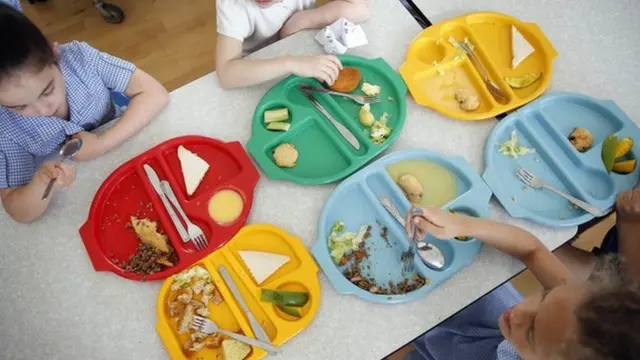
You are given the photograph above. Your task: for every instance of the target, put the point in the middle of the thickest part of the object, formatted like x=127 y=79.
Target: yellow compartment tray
x=299 y=274
x=434 y=85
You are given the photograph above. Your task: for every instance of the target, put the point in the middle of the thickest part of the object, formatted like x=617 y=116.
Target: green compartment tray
x=324 y=156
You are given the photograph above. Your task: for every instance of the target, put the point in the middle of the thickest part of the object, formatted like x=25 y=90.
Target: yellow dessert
x=225 y=206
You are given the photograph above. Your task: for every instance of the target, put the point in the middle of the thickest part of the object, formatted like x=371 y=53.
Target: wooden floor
x=173 y=40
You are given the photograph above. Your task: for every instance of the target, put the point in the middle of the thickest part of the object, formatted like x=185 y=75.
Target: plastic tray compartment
x=128 y=192
x=324 y=155
x=300 y=274
x=545 y=125
x=356 y=202
x=433 y=85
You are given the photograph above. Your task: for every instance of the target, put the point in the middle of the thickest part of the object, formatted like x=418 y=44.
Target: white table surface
x=56 y=306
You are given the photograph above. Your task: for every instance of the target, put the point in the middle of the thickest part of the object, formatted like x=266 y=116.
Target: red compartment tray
x=127 y=192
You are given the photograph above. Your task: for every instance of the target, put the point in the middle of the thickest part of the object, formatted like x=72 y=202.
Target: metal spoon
x=494 y=89
x=68 y=150
x=429 y=253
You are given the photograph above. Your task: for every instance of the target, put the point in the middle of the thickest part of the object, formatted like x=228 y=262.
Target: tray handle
x=98 y=259
x=547 y=46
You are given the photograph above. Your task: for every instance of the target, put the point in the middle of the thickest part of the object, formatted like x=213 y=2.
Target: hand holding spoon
x=68 y=150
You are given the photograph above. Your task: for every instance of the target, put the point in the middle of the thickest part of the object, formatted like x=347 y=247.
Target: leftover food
x=614 y=154
x=225 y=206
x=513 y=148
x=522 y=81
x=261 y=265
x=581 y=139
x=347 y=81
x=411 y=187
x=189 y=295
x=276 y=115
x=365 y=116
x=234 y=350
x=153 y=254
x=370 y=89
x=285 y=297
x=520 y=48
x=285 y=155
x=379 y=130
x=341 y=243
x=193 y=169
x=278 y=126
x=467 y=100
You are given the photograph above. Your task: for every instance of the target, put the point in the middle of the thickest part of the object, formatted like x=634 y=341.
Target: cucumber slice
x=285 y=298
x=278 y=126
x=290 y=311
x=276 y=115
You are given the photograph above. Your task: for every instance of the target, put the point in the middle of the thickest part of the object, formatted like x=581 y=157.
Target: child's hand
x=64 y=174
x=92 y=146
x=325 y=68
x=441 y=224
x=628 y=205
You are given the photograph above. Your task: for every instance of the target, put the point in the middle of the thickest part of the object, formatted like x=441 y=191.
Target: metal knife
x=255 y=325
x=346 y=134
x=155 y=182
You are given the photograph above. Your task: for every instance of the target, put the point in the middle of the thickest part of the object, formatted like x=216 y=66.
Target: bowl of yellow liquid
x=225 y=207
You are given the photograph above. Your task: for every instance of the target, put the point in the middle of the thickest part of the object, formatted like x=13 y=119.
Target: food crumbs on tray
x=391 y=99
x=349 y=250
x=513 y=198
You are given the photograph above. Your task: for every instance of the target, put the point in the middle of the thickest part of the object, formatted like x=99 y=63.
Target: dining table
x=55 y=306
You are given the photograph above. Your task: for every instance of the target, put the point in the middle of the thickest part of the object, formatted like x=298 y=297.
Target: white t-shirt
x=255 y=26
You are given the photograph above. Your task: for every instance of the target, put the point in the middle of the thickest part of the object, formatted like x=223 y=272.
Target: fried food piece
x=467 y=100
x=285 y=155
x=147 y=232
x=347 y=81
x=412 y=187
x=581 y=139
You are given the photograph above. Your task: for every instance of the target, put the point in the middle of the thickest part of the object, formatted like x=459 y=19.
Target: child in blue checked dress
x=569 y=320
x=51 y=93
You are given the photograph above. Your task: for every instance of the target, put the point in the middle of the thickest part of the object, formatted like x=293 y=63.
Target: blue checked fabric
x=473 y=333
x=90 y=76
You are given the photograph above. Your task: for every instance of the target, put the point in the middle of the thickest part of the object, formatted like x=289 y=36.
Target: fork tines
x=200 y=242
x=197 y=323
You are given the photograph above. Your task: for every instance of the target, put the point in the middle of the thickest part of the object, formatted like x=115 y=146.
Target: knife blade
x=255 y=325
x=346 y=134
x=155 y=182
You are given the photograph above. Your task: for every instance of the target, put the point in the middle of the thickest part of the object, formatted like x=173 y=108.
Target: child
x=596 y=320
x=49 y=94
x=245 y=26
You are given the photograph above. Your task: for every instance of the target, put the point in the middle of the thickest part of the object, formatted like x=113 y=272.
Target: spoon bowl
x=68 y=150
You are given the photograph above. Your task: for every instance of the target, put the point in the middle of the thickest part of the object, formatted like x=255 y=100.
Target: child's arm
x=356 y=11
x=628 y=226
x=234 y=71
x=147 y=98
x=25 y=204
x=510 y=239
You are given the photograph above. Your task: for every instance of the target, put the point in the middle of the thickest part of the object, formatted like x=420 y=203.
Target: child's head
x=30 y=81
x=598 y=320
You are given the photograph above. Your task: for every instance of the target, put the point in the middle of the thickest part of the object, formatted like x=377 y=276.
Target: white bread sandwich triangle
x=261 y=264
x=520 y=47
x=193 y=169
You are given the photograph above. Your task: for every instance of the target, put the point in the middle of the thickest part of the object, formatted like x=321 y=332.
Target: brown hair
x=608 y=320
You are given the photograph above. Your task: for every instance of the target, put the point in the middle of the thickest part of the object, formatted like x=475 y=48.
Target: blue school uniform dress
x=90 y=76
x=473 y=333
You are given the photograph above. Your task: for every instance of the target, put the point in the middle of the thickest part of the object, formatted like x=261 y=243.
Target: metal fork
x=360 y=99
x=531 y=180
x=494 y=89
x=195 y=233
x=207 y=326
